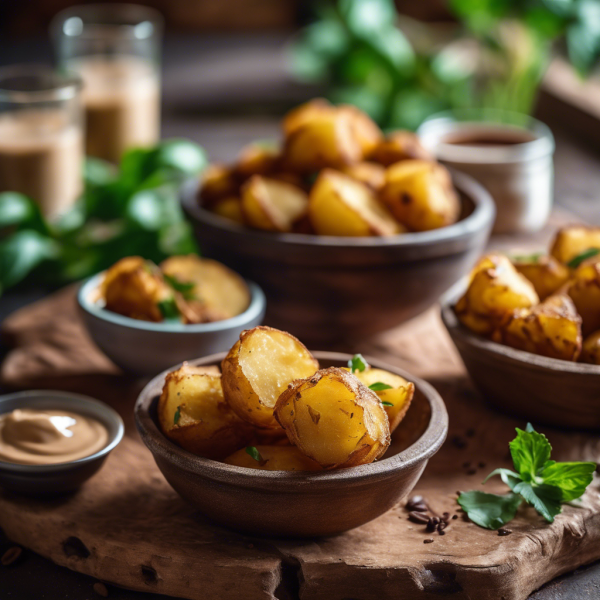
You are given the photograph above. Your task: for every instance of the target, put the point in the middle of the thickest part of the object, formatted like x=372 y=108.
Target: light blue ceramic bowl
x=148 y=348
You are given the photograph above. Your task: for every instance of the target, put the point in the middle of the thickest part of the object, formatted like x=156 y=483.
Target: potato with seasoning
x=341 y=206
x=584 y=289
x=552 y=328
x=572 y=241
x=420 y=195
x=193 y=413
x=258 y=369
x=545 y=273
x=272 y=458
x=591 y=348
x=399 y=146
x=495 y=289
x=334 y=419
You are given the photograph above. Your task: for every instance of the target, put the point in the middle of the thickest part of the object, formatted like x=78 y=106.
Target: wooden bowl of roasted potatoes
x=369 y=229
x=273 y=439
x=528 y=329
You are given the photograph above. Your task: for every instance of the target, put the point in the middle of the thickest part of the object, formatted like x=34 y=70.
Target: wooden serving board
x=128 y=527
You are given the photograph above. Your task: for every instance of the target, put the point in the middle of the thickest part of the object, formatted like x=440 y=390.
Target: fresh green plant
x=356 y=48
x=537 y=480
x=133 y=210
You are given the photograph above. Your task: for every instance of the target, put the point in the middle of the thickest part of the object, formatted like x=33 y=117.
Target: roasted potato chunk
x=258 y=368
x=133 y=287
x=369 y=173
x=571 y=241
x=230 y=208
x=591 y=349
x=193 y=413
x=366 y=131
x=339 y=205
x=545 y=273
x=584 y=290
x=273 y=458
x=420 y=195
x=396 y=399
x=496 y=289
x=257 y=159
x=327 y=139
x=399 y=146
x=217 y=289
x=299 y=116
x=218 y=182
x=334 y=419
x=552 y=328
x=272 y=205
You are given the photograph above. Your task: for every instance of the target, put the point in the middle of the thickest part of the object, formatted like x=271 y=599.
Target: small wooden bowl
x=298 y=504
x=323 y=287
x=537 y=388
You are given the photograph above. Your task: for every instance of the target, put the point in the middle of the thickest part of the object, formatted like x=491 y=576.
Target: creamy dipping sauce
x=43 y=437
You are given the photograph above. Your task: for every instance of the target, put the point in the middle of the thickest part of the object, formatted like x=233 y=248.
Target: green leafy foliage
x=254 y=453
x=169 y=310
x=130 y=210
x=543 y=483
x=357 y=363
x=577 y=260
x=185 y=288
x=379 y=386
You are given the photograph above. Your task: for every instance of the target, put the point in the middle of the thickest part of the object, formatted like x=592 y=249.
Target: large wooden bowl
x=324 y=287
x=293 y=503
x=537 y=388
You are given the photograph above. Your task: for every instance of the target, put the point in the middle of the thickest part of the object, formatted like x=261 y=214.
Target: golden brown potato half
x=327 y=139
x=273 y=458
x=304 y=113
x=272 y=205
x=217 y=289
x=334 y=419
x=571 y=241
x=341 y=206
x=420 y=195
x=230 y=208
x=369 y=173
x=257 y=159
x=584 y=290
x=591 y=349
x=193 y=413
x=395 y=400
x=218 y=182
x=366 y=131
x=133 y=287
x=496 y=289
x=258 y=368
x=552 y=328
x=399 y=146
x=545 y=273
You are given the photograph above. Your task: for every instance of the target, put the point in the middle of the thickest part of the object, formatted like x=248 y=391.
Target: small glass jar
x=115 y=48
x=41 y=136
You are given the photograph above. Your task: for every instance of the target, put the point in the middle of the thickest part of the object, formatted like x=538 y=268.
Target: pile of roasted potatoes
x=272 y=408
x=185 y=289
x=334 y=174
x=544 y=304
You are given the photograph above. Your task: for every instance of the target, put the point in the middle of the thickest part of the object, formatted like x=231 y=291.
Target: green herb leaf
x=510 y=478
x=357 y=363
x=169 y=310
x=185 y=288
x=177 y=415
x=491 y=511
x=527 y=258
x=379 y=386
x=386 y=403
x=571 y=477
x=530 y=451
x=254 y=453
x=577 y=260
x=546 y=499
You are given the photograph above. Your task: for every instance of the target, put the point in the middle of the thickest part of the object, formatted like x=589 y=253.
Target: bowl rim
x=30 y=396
x=482 y=216
x=421 y=450
x=500 y=351
x=257 y=304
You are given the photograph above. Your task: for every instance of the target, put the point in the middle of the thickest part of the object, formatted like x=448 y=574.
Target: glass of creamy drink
x=41 y=136
x=115 y=48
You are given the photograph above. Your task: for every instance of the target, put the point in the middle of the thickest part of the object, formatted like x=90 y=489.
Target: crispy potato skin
x=399 y=146
x=571 y=241
x=218 y=182
x=230 y=208
x=546 y=274
x=584 y=290
x=258 y=368
x=591 y=349
x=495 y=290
x=206 y=425
x=334 y=419
x=304 y=113
x=552 y=328
x=420 y=195
x=366 y=131
x=274 y=458
x=369 y=173
x=256 y=159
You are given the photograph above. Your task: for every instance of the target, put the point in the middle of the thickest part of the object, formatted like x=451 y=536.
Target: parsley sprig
x=357 y=363
x=543 y=483
x=169 y=310
x=379 y=386
x=582 y=256
x=185 y=288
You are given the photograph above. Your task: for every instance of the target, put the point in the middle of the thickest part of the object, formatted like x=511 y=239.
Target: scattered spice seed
x=441 y=526
x=503 y=531
x=418 y=517
x=459 y=442
x=446 y=517
x=481 y=465
x=441 y=532
x=100 y=589
x=454 y=517
x=430 y=526
x=472 y=472
x=11 y=556
x=428 y=541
